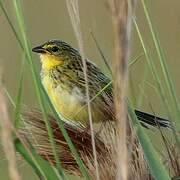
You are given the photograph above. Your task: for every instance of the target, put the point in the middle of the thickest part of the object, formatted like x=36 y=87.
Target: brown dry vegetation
x=34 y=130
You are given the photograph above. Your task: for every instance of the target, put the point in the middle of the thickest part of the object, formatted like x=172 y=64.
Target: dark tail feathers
x=152 y=120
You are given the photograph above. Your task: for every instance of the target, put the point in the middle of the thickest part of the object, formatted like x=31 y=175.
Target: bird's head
x=56 y=52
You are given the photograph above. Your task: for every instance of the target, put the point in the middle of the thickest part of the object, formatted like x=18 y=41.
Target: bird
x=63 y=79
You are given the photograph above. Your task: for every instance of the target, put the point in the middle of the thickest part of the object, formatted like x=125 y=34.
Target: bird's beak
x=39 y=49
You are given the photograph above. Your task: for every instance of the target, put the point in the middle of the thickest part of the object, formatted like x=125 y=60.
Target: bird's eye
x=54 y=49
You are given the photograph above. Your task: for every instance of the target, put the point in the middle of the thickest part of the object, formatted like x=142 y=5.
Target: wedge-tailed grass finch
x=63 y=79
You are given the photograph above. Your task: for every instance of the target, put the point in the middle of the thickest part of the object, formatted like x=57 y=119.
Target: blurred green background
x=50 y=20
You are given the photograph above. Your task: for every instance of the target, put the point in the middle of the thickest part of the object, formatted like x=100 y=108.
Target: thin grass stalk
x=10 y=24
x=156 y=77
x=26 y=46
x=168 y=80
x=152 y=67
x=142 y=87
x=121 y=20
x=101 y=53
x=6 y=137
x=135 y=59
x=73 y=10
x=17 y=110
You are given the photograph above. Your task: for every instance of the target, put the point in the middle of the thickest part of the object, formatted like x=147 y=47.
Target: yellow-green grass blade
x=135 y=59
x=168 y=80
x=10 y=23
x=157 y=79
x=155 y=164
x=152 y=68
x=142 y=86
x=101 y=53
x=40 y=166
x=17 y=110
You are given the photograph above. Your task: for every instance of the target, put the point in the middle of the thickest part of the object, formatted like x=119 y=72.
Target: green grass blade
x=101 y=52
x=152 y=68
x=17 y=110
x=156 y=166
x=164 y=67
x=41 y=166
x=159 y=85
x=135 y=59
x=10 y=23
x=27 y=50
x=18 y=104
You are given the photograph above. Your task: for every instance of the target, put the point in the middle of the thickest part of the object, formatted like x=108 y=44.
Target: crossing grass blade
x=27 y=50
x=41 y=166
x=156 y=166
x=101 y=53
x=66 y=136
x=135 y=59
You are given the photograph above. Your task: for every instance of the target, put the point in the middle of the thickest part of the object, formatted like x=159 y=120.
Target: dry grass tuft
x=33 y=122
x=34 y=130
x=105 y=147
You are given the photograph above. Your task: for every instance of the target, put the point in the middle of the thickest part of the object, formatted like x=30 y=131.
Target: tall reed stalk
x=121 y=12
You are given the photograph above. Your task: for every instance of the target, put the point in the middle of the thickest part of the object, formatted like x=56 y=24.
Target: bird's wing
x=101 y=87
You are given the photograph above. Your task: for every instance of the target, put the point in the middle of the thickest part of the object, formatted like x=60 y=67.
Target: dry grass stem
x=6 y=136
x=73 y=10
x=121 y=19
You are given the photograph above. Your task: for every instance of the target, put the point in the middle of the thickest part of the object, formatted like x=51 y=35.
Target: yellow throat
x=49 y=61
